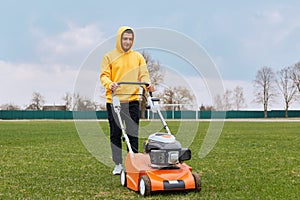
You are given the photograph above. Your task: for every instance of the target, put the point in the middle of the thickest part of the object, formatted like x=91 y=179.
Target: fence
x=169 y=114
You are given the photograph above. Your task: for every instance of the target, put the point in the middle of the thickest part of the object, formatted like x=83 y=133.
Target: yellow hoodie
x=120 y=66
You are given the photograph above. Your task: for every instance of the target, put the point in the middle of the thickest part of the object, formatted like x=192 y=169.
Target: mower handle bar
x=135 y=83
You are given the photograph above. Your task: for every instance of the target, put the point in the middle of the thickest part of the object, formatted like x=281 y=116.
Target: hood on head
x=119 y=35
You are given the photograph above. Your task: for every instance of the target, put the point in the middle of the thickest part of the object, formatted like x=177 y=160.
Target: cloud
x=272 y=17
x=70 y=46
x=55 y=69
x=270 y=34
x=19 y=80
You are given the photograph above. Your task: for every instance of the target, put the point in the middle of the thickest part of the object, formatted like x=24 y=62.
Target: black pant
x=129 y=114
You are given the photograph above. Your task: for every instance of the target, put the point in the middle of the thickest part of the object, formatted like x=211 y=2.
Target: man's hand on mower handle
x=113 y=86
x=150 y=88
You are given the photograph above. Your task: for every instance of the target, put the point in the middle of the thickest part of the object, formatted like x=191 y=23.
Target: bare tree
x=83 y=103
x=238 y=98
x=223 y=102
x=86 y=104
x=287 y=87
x=227 y=99
x=219 y=103
x=177 y=95
x=264 y=85
x=154 y=69
x=183 y=96
x=68 y=100
x=37 y=102
x=76 y=99
x=10 y=106
x=156 y=77
x=167 y=97
x=295 y=76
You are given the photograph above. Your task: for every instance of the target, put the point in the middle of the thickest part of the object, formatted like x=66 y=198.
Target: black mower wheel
x=145 y=186
x=197 y=181
x=123 y=178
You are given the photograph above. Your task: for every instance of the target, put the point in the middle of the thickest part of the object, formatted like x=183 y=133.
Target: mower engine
x=165 y=151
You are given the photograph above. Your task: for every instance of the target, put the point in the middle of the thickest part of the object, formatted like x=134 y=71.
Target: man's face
x=126 y=41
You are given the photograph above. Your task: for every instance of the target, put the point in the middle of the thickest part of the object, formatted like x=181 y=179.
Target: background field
x=46 y=160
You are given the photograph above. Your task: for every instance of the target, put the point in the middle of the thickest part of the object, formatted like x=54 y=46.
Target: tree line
x=268 y=86
x=71 y=102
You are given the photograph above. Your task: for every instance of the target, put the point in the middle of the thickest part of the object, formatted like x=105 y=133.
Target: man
x=123 y=65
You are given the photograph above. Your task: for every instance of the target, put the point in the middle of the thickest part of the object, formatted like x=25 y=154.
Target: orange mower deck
x=180 y=178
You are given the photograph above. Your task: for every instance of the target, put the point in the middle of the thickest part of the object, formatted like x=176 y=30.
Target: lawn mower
x=161 y=167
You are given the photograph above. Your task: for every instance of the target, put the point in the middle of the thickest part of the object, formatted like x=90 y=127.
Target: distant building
x=31 y=107
x=54 y=107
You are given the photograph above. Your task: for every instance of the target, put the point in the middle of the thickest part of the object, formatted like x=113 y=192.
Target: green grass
x=47 y=160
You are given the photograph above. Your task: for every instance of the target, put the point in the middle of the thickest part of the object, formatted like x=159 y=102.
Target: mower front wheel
x=197 y=181
x=123 y=178
x=145 y=186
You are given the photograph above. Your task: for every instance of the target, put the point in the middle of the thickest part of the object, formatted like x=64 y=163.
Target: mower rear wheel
x=197 y=181
x=145 y=186
x=123 y=178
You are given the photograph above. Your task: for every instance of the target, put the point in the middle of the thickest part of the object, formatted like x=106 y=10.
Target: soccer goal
x=176 y=111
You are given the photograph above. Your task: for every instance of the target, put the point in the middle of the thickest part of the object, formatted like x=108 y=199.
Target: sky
x=44 y=45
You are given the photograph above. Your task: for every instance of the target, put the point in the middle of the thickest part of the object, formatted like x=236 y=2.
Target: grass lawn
x=47 y=160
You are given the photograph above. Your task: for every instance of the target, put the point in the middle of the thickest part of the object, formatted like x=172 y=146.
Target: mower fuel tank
x=160 y=140
x=165 y=150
